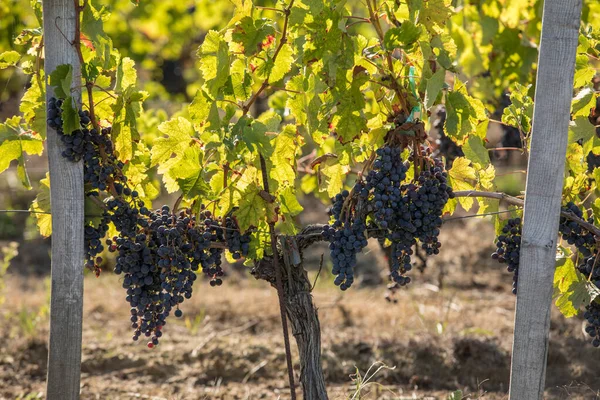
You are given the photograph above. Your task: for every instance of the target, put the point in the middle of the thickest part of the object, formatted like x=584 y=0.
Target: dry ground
x=229 y=345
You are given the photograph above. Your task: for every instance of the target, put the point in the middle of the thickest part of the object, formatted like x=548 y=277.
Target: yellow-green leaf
x=252 y=208
x=188 y=174
x=40 y=207
x=179 y=132
x=461 y=177
x=9 y=59
x=289 y=202
x=332 y=177
x=15 y=142
x=284 y=156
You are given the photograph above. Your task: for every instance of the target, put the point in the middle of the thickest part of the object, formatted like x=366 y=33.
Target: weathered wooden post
x=554 y=90
x=67 y=202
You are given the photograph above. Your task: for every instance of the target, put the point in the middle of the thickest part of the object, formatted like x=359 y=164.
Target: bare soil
x=450 y=329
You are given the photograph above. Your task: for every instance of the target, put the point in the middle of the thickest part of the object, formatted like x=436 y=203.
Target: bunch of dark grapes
x=92 y=237
x=211 y=265
x=101 y=167
x=382 y=186
x=157 y=252
x=76 y=141
x=346 y=237
x=404 y=214
x=508 y=247
x=418 y=219
x=427 y=204
x=160 y=263
x=238 y=244
x=590 y=268
x=344 y=244
x=592 y=316
x=574 y=234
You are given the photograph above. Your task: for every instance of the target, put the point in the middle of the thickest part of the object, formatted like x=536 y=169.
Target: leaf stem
x=270 y=9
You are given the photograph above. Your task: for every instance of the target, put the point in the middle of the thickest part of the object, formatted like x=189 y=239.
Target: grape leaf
x=70 y=116
x=460 y=177
x=485 y=177
x=403 y=37
x=15 y=142
x=204 y=112
x=92 y=27
x=349 y=119
x=33 y=107
x=305 y=104
x=583 y=102
x=434 y=87
x=572 y=290
x=126 y=75
x=241 y=80
x=581 y=129
x=332 y=175
x=575 y=159
x=40 y=207
x=254 y=135
x=136 y=171
x=434 y=14
x=475 y=151
x=179 y=133
x=464 y=113
x=243 y=8
x=250 y=33
x=584 y=71
x=284 y=156
x=61 y=79
x=252 y=208
x=9 y=59
x=520 y=112
x=564 y=274
x=127 y=108
x=283 y=63
x=215 y=62
x=289 y=202
x=187 y=174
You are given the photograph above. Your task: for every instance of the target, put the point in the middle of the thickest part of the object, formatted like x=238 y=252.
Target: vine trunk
x=304 y=319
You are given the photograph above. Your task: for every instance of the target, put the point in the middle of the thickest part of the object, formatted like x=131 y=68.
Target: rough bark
x=304 y=319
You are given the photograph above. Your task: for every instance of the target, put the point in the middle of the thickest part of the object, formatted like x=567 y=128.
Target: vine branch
x=313 y=233
x=287 y=11
x=520 y=202
x=374 y=19
x=77 y=45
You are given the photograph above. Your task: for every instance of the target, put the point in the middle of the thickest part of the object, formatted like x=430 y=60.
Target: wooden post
x=554 y=90
x=66 y=195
